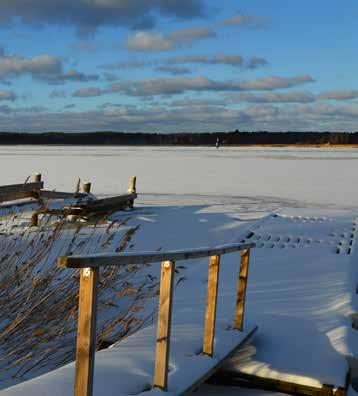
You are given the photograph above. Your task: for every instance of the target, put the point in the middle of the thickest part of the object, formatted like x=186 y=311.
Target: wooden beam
x=164 y=325
x=109 y=201
x=95 y=206
x=241 y=294
x=60 y=194
x=86 y=332
x=24 y=187
x=228 y=378
x=17 y=195
x=114 y=259
x=210 y=314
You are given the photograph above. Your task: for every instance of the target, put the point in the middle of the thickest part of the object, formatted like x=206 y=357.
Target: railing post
x=210 y=314
x=86 y=331
x=164 y=325
x=241 y=294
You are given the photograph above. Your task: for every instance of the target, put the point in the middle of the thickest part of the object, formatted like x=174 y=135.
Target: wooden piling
x=241 y=294
x=36 y=193
x=132 y=185
x=164 y=325
x=86 y=331
x=210 y=315
x=34 y=219
x=132 y=189
x=86 y=188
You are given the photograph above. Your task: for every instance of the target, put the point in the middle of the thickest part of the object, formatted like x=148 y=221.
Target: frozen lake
x=291 y=177
x=191 y=197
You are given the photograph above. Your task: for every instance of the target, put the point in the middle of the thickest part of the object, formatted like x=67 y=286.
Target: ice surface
x=291 y=176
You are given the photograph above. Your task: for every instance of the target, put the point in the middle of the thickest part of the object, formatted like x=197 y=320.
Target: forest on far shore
x=181 y=139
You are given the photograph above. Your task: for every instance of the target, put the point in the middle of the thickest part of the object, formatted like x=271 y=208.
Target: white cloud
x=275 y=97
x=339 y=95
x=38 y=66
x=147 y=41
x=194 y=117
x=191 y=34
x=42 y=67
x=179 y=85
x=154 y=41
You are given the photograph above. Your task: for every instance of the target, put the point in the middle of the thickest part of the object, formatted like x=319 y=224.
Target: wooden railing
x=35 y=190
x=23 y=190
x=89 y=273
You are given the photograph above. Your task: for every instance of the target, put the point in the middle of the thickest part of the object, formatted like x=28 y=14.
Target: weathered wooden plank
x=98 y=205
x=17 y=195
x=228 y=378
x=113 y=259
x=86 y=332
x=214 y=369
x=242 y=285
x=23 y=187
x=46 y=194
x=164 y=325
x=210 y=313
x=109 y=201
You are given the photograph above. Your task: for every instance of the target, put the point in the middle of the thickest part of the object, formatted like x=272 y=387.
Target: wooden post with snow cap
x=164 y=325
x=86 y=331
x=86 y=187
x=35 y=216
x=132 y=189
x=37 y=177
x=210 y=314
x=241 y=293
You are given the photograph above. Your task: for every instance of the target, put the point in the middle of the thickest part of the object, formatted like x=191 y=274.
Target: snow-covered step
x=127 y=367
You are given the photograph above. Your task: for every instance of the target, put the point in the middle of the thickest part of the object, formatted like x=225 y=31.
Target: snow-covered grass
x=301 y=293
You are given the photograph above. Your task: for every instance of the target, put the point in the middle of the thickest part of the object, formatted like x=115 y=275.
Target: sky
x=178 y=65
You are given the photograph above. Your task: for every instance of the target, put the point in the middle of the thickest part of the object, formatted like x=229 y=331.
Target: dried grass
x=39 y=302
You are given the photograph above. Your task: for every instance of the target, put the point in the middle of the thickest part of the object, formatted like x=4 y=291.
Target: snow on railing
x=87 y=312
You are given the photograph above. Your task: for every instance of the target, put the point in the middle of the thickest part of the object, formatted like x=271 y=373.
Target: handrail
x=89 y=276
x=114 y=259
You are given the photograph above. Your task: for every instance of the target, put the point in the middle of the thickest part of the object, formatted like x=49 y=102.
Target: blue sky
x=178 y=65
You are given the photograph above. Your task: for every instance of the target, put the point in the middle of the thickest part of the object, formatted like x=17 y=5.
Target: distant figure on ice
x=217 y=144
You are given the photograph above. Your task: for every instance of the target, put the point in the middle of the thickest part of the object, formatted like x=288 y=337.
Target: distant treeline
x=182 y=139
